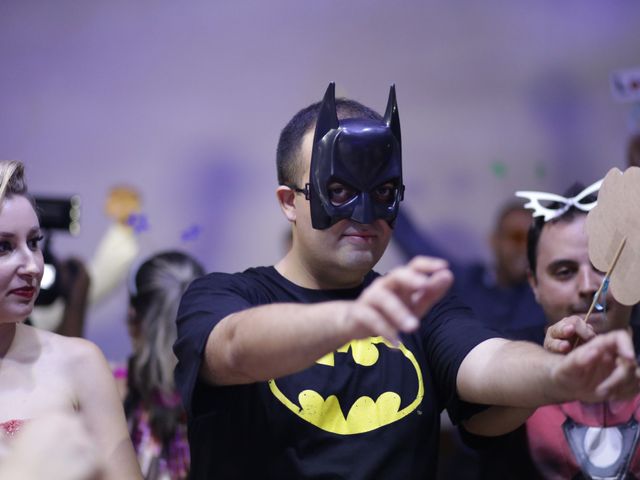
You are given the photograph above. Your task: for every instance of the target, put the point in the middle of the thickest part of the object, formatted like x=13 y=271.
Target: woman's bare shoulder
x=71 y=351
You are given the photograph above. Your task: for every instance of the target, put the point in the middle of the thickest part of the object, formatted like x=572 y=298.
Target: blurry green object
x=499 y=169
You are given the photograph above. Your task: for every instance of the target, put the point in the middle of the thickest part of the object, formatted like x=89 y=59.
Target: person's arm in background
x=411 y=241
x=119 y=245
x=75 y=281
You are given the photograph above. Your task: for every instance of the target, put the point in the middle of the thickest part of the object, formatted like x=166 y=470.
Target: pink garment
x=11 y=427
x=119 y=371
x=157 y=462
x=600 y=440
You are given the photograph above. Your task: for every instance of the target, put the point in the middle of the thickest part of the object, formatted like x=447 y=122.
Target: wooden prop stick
x=604 y=281
x=606 y=277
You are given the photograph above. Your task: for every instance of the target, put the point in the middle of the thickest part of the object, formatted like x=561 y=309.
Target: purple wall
x=185 y=101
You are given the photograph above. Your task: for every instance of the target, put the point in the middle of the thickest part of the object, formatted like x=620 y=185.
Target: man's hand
x=395 y=302
x=605 y=368
x=561 y=337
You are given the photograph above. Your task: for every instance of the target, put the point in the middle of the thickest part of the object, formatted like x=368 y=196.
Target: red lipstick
x=24 y=292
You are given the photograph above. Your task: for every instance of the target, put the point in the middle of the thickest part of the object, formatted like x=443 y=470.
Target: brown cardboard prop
x=613 y=229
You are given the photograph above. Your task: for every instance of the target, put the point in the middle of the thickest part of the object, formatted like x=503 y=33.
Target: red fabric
x=548 y=445
x=11 y=427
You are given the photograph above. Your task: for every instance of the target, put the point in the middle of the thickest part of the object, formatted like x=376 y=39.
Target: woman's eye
x=5 y=246
x=34 y=243
x=340 y=194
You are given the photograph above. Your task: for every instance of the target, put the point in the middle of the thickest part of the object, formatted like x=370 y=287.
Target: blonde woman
x=41 y=372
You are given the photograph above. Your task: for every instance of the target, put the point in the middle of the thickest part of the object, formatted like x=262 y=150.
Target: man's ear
x=286 y=197
x=533 y=283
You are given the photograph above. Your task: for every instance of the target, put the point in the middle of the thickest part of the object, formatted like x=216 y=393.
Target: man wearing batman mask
x=318 y=367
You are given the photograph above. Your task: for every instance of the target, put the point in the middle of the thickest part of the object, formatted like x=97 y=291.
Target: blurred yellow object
x=121 y=202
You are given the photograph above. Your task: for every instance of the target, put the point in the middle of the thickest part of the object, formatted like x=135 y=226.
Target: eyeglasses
x=295 y=188
x=341 y=194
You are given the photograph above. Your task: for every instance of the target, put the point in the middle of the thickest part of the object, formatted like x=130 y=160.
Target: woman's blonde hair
x=11 y=179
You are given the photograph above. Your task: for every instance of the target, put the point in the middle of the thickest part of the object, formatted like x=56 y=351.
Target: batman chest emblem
x=364 y=385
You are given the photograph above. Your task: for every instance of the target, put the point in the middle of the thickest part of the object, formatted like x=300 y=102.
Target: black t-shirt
x=366 y=411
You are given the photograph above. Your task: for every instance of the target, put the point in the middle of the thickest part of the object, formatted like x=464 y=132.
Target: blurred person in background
x=156 y=417
x=497 y=293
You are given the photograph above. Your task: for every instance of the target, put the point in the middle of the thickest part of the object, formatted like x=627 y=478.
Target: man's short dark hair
x=287 y=157
x=535 y=230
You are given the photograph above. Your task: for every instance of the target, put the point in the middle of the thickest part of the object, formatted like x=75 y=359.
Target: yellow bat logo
x=385 y=403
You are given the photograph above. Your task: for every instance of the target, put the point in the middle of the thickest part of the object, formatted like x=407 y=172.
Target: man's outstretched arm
x=522 y=374
x=561 y=337
x=270 y=341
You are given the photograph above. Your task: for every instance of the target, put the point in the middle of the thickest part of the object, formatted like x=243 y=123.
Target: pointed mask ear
x=327 y=116
x=391 y=116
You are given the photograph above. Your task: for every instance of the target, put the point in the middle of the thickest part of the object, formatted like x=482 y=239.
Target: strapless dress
x=11 y=427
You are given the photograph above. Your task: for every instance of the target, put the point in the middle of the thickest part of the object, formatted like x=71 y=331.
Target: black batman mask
x=356 y=166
